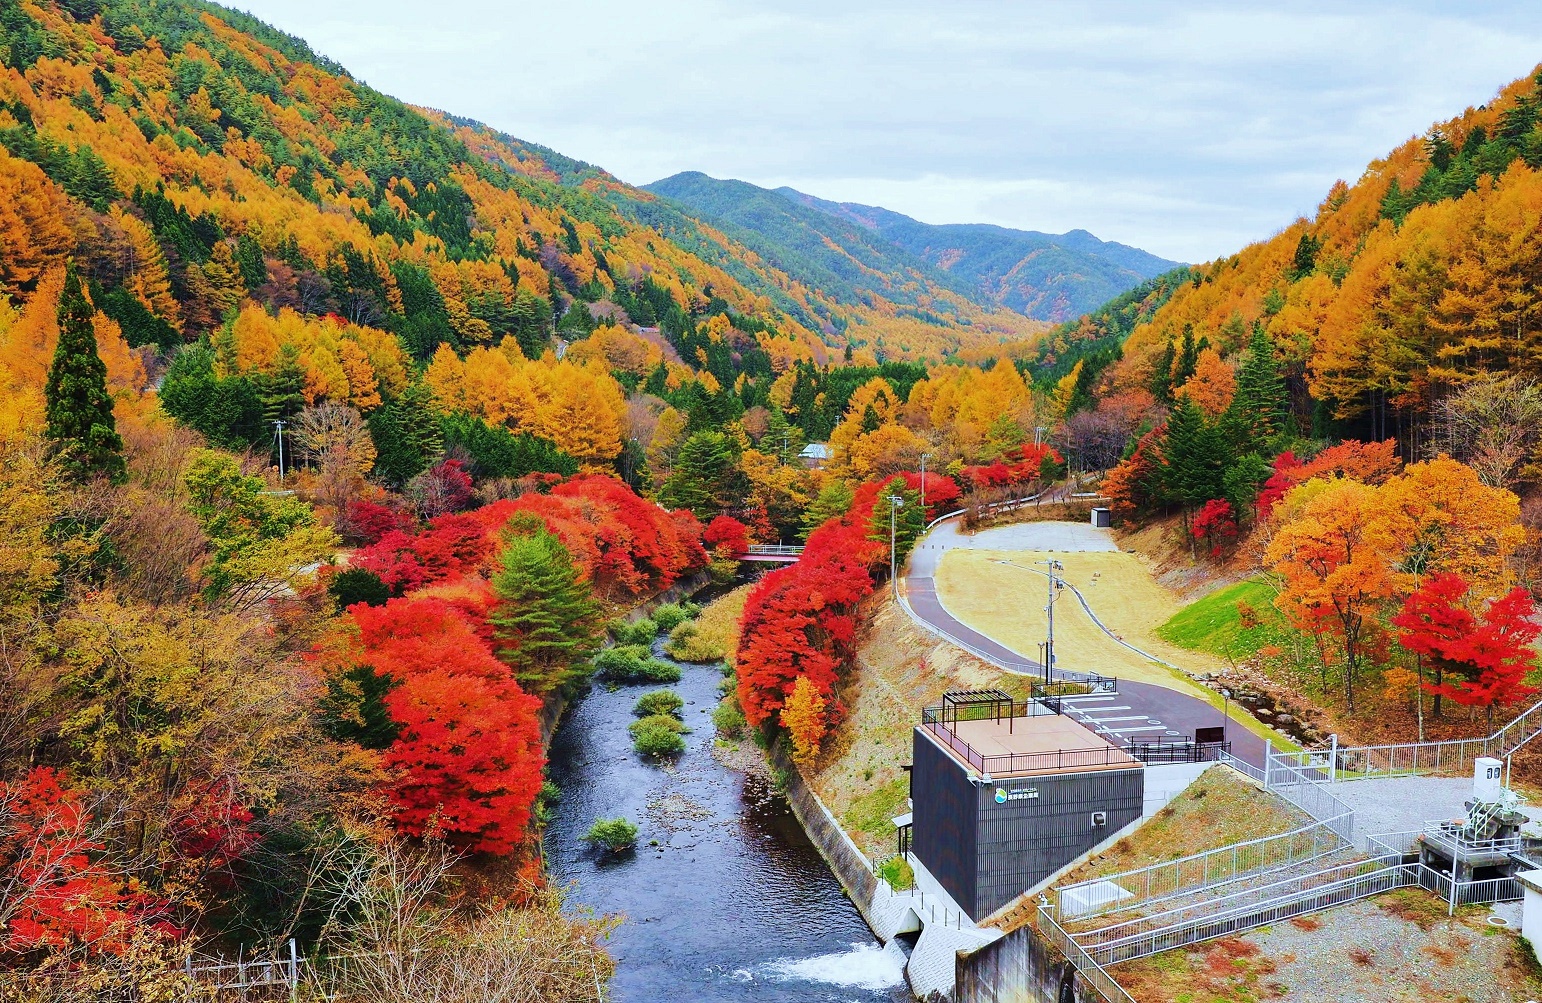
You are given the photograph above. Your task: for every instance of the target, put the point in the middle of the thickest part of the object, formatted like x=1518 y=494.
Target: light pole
x=924 y=458
x=1038 y=433
x=895 y=504
x=279 y=435
x=1226 y=712
x=1049 y=609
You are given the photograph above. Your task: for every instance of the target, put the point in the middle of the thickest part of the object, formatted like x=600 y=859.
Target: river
x=724 y=899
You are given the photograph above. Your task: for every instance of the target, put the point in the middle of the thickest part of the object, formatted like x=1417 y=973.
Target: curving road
x=1138 y=711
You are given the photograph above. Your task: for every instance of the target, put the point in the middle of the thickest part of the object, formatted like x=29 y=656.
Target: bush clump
x=898 y=873
x=631 y=663
x=688 y=644
x=728 y=717
x=658 y=702
x=637 y=632
x=671 y=615
x=614 y=835
x=658 y=735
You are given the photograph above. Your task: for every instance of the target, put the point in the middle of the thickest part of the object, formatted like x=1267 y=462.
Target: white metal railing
x=1203 y=871
x=774 y=550
x=1309 y=793
x=1247 y=911
x=1084 y=963
x=1412 y=758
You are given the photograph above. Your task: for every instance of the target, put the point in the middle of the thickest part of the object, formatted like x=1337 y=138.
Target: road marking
x=1096 y=710
x=1126 y=717
x=1127 y=731
x=1081 y=699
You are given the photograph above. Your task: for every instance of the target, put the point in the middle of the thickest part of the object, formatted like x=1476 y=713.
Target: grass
x=1229 y=970
x=630 y=663
x=898 y=873
x=658 y=735
x=658 y=702
x=1232 y=623
x=1218 y=809
x=714 y=634
x=872 y=812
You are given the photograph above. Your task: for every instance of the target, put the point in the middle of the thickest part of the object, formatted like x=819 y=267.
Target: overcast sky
x=1188 y=129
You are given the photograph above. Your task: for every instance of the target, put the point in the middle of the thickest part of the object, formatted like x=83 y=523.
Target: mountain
x=164 y=130
x=864 y=249
x=1416 y=280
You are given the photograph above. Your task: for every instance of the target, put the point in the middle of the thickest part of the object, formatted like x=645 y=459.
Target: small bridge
x=773 y=553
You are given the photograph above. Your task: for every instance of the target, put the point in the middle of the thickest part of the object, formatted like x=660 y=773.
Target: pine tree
x=1258 y=408
x=1196 y=456
x=80 y=419
x=833 y=502
x=1188 y=358
x=1162 y=374
x=702 y=480
x=909 y=519
x=548 y=621
x=783 y=439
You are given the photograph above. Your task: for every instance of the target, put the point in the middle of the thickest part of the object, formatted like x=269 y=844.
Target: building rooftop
x=1014 y=746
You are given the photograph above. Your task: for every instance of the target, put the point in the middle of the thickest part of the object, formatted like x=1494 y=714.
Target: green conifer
x=834 y=500
x=548 y=623
x=79 y=410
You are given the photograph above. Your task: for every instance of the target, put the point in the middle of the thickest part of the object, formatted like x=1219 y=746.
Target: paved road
x=1139 y=711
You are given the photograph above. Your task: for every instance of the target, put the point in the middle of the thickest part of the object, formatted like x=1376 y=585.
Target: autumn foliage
x=1480 y=658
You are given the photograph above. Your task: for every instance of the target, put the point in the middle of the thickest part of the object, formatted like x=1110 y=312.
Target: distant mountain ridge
x=862 y=248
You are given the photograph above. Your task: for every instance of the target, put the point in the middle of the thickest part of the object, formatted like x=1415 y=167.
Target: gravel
x=1402 y=804
x=1459 y=959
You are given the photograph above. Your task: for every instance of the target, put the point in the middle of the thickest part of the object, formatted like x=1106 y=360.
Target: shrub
x=628 y=663
x=356 y=585
x=671 y=615
x=616 y=835
x=687 y=643
x=638 y=632
x=658 y=735
x=898 y=873
x=658 y=702
x=728 y=718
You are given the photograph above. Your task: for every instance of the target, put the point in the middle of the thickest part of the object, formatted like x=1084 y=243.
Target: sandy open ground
x=998 y=593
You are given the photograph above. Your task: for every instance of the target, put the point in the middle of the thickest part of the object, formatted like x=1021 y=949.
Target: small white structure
x=1488 y=779
x=815 y=454
x=1531 y=906
x=1086 y=898
x=1102 y=518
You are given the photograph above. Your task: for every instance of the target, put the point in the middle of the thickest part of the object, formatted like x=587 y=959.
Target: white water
x=865 y=966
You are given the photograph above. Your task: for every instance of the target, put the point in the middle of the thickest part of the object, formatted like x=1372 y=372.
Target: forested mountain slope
x=1402 y=288
x=140 y=134
x=864 y=249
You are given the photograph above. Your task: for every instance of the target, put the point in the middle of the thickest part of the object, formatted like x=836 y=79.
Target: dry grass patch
x=1218 y=809
x=714 y=634
x=1230 y=970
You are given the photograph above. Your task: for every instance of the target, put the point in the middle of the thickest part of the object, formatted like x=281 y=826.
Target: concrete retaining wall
x=850 y=867
x=1021 y=967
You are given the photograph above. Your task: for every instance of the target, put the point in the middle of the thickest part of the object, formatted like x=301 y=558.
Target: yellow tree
x=1335 y=563
x=1442 y=518
x=1213 y=384
x=803 y=715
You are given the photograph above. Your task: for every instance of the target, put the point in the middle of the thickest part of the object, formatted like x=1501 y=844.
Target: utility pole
x=924 y=457
x=895 y=504
x=1049 y=609
x=1038 y=433
x=279 y=435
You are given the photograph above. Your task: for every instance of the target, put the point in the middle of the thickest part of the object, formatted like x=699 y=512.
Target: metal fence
x=1309 y=793
x=1202 y=871
x=1085 y=966
x=1454 y=756
x=1036 y=762
x=774 y=550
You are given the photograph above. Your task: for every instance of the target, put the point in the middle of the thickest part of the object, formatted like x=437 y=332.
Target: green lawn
x=1216 y=623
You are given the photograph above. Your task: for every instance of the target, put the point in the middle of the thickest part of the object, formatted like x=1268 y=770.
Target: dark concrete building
x=1005 y=794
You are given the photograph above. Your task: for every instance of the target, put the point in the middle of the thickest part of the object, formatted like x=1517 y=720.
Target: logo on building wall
x=1021 y=794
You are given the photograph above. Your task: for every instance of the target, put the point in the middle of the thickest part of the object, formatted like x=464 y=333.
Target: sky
x=1187 y=129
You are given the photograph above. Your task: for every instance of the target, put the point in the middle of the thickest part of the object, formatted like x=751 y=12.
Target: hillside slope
x=866 y=250
x=205 y=125
x=1402 y=287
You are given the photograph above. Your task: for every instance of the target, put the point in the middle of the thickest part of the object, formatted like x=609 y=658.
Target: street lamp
x=1226 y=712
x=895 y=504
x=279 y=435
x=1049 y=609
x=924 y=458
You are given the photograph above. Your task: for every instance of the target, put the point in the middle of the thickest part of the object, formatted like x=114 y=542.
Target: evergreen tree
x=870 y=420
x=1196 y=456
x=1257 y=410
x=80 y=420
x=548 y=622
x=657 y=384
x=1306 y=257
x=407 y=435
x=834 y=501
x=909 y=519
x=353 y=708
x=783 y=439
x=1188 y=358
x=227 y=411
x=703 y=478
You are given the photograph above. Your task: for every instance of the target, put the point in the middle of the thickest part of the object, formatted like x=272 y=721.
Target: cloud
x=1187 y=129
